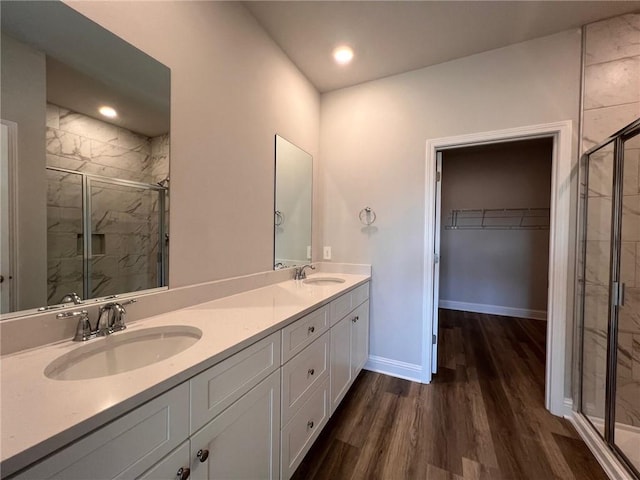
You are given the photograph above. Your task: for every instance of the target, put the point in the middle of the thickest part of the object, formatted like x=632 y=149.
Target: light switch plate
x=308 y=252
x=326 y=253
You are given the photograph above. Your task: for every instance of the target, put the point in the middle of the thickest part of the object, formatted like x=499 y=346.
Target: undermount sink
x=322 y=280
x=122 y=352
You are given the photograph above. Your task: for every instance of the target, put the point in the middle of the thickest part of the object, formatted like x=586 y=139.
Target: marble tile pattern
x=611 y=77
x=611 y=100
x=125 y=218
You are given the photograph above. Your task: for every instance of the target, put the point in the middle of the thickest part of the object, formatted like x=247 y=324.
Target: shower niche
x=609 y=281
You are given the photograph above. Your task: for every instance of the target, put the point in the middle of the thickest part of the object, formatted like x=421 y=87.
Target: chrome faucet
x=300 y=274
x=71 y=297
x=110 y=319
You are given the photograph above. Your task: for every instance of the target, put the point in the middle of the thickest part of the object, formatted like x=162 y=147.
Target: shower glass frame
x=617 y=140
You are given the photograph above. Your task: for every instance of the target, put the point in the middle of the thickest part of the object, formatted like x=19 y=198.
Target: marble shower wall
x=124 y=219
x=611 y=100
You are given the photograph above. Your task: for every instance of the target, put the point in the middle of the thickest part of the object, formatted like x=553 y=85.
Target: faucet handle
x=83 y=330
x=71 y=298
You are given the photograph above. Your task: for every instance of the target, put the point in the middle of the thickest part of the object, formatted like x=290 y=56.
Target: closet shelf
x=499 y=219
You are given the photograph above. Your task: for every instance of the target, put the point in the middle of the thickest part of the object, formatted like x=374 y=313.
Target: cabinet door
x=340 y=372
x=218 y=387
x=124 y=448
x=174 y=466
x=243 y=442
x=359 y=319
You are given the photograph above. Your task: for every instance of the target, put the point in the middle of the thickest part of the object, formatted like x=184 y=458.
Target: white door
x=436 y=265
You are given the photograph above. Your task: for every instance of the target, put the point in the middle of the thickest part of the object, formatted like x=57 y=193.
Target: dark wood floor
x=483 y=417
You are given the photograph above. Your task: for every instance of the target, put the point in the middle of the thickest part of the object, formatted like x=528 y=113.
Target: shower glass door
x=105 y=236
x=125 y=250
x=597 y=233
x=626 y=433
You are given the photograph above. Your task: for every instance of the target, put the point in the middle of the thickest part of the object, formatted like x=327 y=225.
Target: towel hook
x=279 y=218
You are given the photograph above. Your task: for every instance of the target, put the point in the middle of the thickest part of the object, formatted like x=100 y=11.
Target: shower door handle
x=618 y=294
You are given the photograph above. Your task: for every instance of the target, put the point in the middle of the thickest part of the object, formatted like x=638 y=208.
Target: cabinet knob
x=202 y=455
x=312 y=329
x=311 y=371
x=183 y=473
x=310 y=424
x=355 y=319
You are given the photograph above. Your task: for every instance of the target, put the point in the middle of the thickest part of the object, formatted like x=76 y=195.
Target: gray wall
x=496 y=268
x=23 y=100
x=232 y=89
x=373 y=153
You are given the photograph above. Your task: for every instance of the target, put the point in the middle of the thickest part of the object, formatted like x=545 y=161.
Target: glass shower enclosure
x=105 y=236
x=609 y=282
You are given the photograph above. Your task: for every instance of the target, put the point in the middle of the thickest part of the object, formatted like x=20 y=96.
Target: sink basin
x=322 y=280
x=122 y=352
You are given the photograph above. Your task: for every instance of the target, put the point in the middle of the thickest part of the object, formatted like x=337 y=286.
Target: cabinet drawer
x=126 y=447
x=341 y=306
x=359 y=295
x=218 y=387
x=303 y=429
x=302 y=374
x=304 y=331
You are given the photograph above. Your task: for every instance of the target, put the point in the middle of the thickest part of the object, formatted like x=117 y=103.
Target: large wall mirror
x=293 y=199
x=84 y=189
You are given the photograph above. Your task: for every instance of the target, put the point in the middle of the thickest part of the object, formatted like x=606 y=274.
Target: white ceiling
x=391 y=37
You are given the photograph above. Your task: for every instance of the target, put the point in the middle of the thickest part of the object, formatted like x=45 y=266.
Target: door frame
x=11 y=212
x=560 y=247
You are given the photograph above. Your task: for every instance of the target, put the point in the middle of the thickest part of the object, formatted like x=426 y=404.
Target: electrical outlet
x=308 y=252
x=326 y=253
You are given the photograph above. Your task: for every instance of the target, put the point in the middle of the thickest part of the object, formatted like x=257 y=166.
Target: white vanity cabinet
x=254 y=415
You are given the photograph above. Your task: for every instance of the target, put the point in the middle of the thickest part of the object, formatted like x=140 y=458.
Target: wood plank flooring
x=483 y=417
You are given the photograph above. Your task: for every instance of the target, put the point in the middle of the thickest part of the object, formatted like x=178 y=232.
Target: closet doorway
x=494 y=228
x=557 y=139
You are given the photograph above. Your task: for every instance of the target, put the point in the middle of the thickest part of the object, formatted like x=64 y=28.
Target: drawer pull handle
x=355 y=319
x=202 y=455
x=311 y=371
x=183 y=473
x=312 y=329
x=310 y=424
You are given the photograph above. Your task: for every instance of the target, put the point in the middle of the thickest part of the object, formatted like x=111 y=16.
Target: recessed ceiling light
x=343 y=55
x=108 y=112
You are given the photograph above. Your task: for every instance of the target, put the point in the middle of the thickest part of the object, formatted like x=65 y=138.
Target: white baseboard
x=605 y=457
x=494 y=309
x=395 y=368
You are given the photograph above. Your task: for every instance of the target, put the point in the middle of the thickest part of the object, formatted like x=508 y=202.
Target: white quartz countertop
x=40 y=415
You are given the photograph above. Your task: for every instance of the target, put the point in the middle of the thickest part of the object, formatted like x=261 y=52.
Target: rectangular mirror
x=293 y=199
x=85 y=189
